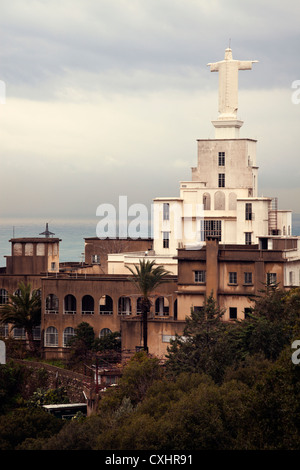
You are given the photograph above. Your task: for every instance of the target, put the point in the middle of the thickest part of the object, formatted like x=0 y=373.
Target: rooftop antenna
x=47 y=233
x=229 y=43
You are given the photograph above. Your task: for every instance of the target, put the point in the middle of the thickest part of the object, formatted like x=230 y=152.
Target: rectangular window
x=221 y=182
x=96 y=259
x=247 y=312
x=221 y=158
x=248 y=238
x=36 y=332
x=248 y=211
x=232 y=313
x=166 y=211
x=210 y=228
x=198 y=309
x=3 y=296
x=4 y=330
x=292 y=278
x=271 y=279
x=166 y=239
x=247 y=278
x=233 y=278
x=19 y=333
x=200 y=276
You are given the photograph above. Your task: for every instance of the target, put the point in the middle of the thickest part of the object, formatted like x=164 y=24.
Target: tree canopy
x=23 y=310
x=224 y=386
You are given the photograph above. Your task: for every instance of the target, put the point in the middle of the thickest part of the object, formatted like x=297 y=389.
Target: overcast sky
x=108 y=97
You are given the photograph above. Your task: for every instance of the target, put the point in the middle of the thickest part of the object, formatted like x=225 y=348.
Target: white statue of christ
x=228 y=83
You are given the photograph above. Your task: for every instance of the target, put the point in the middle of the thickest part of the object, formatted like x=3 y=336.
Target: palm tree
x=146 y=277
x=23 y=310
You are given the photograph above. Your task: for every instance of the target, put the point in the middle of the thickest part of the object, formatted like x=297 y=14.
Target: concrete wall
x=159 y=333
x=102 y=248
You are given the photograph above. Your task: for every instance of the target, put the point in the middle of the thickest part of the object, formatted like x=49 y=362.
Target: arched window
x=87 y=305
x=70 y=304
x=139 y=306
x=219 y=201
x=52 y=304
x=106 y=305
x=124 y=306
x=68 y=334
x=3 y=296
x=175 y=310
x=104 y=332
x=51 y=337
x=161 y=306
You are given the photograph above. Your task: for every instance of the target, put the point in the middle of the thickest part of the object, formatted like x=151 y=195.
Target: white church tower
x=221 y=200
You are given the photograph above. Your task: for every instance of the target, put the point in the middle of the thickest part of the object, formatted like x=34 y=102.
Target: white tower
x=224 y=183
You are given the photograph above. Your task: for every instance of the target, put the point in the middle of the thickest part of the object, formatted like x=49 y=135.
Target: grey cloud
x=41 y=40
x=153 y=52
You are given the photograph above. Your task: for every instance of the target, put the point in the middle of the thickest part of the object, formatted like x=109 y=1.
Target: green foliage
x=197 y=415
x=11 y=379
x=81 y=345
x=273 y=414
x=23 y=310
x=255 y=408
x=109 y=342
x=74 y=435
x=85 y=348
x=48 y=397
x=205 y=345
x=22 y=424
x=225 y=387
x=147 y=276
x=210 y=345
x=138 y=375
x=83 y=338
x=270 y=303
x=17 y=384
x=270 y=327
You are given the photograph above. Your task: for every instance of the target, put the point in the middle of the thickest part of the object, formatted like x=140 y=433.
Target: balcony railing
x=105 y=312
